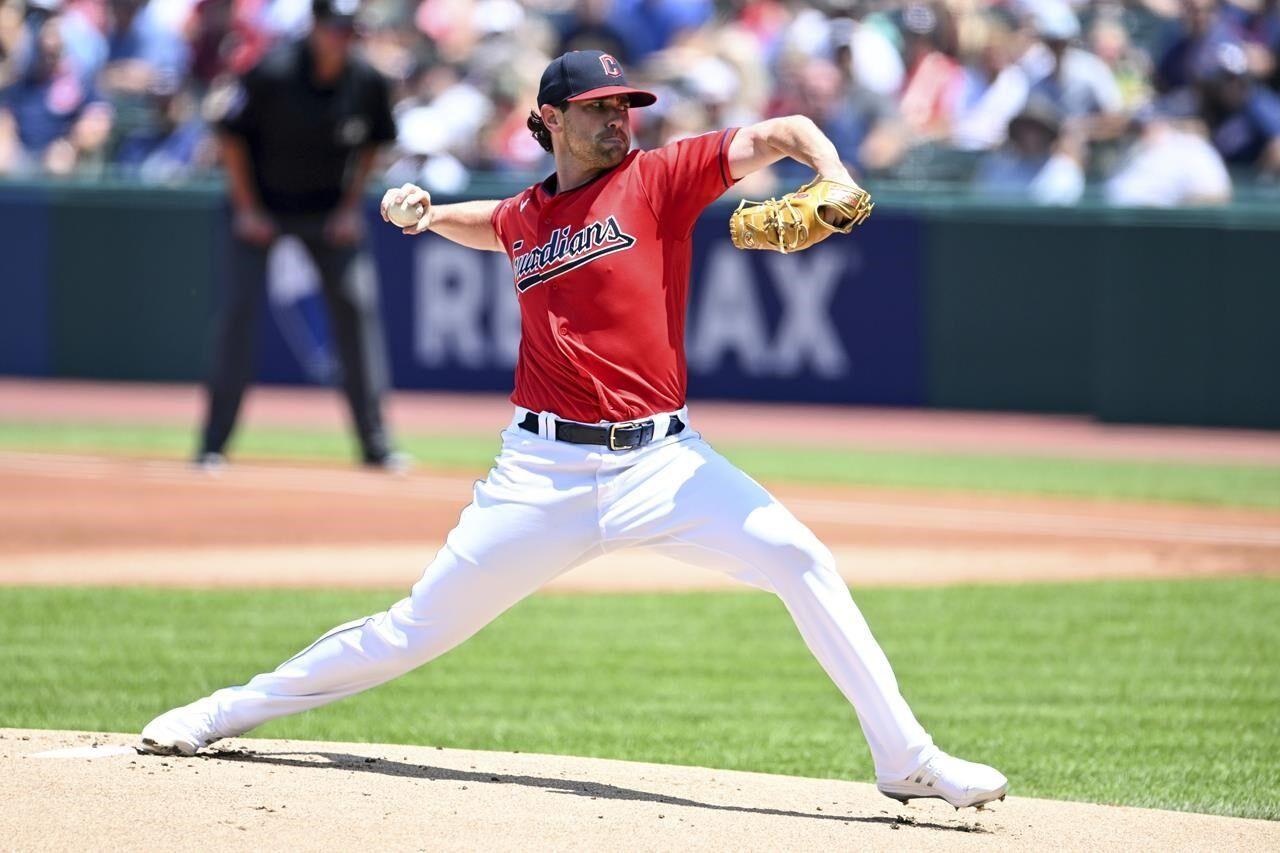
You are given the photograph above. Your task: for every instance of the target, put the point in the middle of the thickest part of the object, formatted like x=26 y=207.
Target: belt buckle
x=613 y=431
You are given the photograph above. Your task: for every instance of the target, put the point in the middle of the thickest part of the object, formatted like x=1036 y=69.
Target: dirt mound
x=63 y=789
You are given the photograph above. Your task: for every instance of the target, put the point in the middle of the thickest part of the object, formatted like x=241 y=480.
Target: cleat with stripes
x=961 y=783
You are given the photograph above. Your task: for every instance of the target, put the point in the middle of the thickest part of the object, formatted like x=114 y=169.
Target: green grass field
x=1149 y=694
x=1223 y=485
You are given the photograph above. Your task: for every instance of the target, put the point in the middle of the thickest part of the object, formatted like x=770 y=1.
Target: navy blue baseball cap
x=581 y=75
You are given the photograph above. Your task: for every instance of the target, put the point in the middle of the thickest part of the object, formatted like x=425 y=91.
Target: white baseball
x=403 y=216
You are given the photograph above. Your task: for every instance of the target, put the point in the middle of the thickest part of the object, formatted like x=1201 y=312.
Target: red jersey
x=602 y=276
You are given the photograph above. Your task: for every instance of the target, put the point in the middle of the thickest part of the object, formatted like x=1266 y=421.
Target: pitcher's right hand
x=408 y=196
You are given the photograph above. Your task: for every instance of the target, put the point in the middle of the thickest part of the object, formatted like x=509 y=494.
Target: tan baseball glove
x=800 y=219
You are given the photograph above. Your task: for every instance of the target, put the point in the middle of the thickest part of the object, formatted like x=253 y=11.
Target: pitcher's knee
x=430 y=626
x=447 y=609
x=804 y=563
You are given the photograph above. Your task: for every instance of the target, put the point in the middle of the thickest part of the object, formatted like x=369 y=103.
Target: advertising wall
x=24 y=277
x=839 y=323
x=1132 y=316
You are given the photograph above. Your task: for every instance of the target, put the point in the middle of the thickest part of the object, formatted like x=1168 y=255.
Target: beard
x=600 y=151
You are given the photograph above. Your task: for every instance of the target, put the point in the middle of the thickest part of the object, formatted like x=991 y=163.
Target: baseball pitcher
x=601 y=453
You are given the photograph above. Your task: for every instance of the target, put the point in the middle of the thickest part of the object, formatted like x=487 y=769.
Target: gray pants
x=353 y=322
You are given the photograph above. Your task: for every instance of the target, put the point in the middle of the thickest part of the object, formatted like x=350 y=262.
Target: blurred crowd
x=1146 y=102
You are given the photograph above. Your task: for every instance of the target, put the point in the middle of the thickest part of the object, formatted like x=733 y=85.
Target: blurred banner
x=24 y=275
x=839 y=323
x=1144 y=316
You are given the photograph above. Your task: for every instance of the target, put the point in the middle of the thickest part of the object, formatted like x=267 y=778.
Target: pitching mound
x=66 y=790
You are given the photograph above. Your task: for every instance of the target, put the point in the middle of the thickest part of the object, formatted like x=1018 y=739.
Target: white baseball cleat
x=182 y=731
x=961 y=783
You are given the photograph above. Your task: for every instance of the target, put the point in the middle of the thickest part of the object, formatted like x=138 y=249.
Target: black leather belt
x=623 y=436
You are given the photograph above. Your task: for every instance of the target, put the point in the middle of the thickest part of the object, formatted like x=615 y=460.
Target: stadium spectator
x=144 y=62
x=1243 y=116
x=1129 y=66
x=444 y=112
x=934 y=76
x=50 y=119
x=85 y=24
x=1257 y=24
x=994 y=86
x=592 y=26
x=505 y=142
x=12 y=39
x=145 y=49
x=848 y=114
x=224 y=38
x=173 y=145
x=1190 y=44
x=765 y=21
x=1075 y=81
x=864 y=124
x=867 y=54
x=1038 y=163
x=664 y=22
x=1169 y=164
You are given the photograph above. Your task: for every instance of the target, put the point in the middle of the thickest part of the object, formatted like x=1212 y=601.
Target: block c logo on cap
x=611 y=66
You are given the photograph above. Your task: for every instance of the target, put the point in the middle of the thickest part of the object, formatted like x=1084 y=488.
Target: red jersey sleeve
x=682 y=178
x=498 y=219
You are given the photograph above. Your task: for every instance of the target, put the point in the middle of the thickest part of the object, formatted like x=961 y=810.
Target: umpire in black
x=299 y=134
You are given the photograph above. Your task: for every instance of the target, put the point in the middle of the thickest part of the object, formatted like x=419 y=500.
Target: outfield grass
x=1223 y=485
x=1148 y=694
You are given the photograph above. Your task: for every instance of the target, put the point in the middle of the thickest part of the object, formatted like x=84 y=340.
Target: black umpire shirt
x=302 y=138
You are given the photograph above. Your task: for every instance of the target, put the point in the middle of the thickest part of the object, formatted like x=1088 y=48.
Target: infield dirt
x=250 y=794
x=113 y=520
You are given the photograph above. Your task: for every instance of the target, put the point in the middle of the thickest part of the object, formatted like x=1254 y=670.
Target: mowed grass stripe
x=1147 y=694
x=1210 y=484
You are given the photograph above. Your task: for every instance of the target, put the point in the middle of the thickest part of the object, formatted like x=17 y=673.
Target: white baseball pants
x=548 y=506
